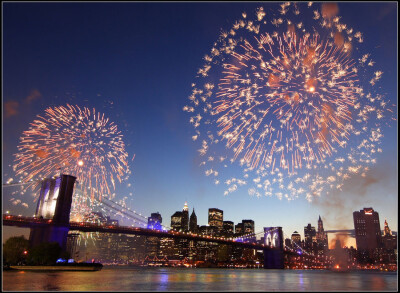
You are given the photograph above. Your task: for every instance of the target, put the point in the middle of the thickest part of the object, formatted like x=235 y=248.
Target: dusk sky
x=136 y=62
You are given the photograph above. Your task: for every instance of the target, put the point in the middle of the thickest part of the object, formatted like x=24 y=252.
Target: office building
x=154 y=221
x=216 y=218
x=176 y=221
x=185 y=218
x=310 y=237
x=367 y=229
x=322 y=238
x=228 y=228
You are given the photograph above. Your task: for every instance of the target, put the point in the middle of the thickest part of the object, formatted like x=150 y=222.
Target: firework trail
x=288 y=103
x=73 y=141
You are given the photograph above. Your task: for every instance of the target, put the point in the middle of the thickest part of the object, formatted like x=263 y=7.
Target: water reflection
x=181 y=279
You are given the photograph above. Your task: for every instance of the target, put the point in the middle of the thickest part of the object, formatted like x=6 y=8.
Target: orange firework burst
x=74 y=141
x=284 y=99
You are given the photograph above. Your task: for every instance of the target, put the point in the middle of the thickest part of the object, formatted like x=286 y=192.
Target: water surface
x=183 y=279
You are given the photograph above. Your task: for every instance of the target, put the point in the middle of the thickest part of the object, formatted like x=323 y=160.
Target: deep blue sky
x=136 y=63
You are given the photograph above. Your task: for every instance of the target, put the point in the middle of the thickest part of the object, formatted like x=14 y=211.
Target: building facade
x=216 y=218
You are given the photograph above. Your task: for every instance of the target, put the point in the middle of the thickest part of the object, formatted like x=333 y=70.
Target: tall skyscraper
x=215 y=218
x=193 y=223
x=310 y=236
x=185 y=217
x=367 y=229
x=322 y=238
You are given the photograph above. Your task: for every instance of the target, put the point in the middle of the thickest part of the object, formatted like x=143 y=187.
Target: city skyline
x=137 y=66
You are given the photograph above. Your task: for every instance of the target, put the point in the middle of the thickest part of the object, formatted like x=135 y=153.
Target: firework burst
x=288 y=103
x=73 y=141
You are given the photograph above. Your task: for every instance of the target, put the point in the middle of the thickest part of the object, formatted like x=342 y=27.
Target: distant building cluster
x=374 y=247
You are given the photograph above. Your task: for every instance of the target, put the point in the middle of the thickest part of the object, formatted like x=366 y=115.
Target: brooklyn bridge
x=51 y=223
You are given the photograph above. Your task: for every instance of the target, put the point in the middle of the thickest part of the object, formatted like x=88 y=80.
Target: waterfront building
x=368 y=234
x=367 y=229
x=216 y=218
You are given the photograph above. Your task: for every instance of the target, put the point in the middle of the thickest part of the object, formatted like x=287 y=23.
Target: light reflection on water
x=182 y=279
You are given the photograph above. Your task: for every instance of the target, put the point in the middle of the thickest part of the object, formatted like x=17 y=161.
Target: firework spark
x=285 y=101
x=73 y=141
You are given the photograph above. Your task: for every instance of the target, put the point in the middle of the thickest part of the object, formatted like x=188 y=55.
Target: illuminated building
x=153 y=243
x=176 y=221
x=228 y=228
x=389 y=246
x=248 y=226
x=185 y=217
x=310 y=237
x=193 y=223
x=216 y=218
x=180 y=222
x=239 y=230
x=368 y=235
x=389 y=240
x=154 y=221
x=367 y=229
x=296 y=238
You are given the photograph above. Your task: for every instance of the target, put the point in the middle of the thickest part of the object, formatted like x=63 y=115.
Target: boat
x=89 y=267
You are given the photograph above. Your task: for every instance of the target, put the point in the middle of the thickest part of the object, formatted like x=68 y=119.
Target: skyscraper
x=296 y=238
x=367 y=229
x=228 y=228
x=193 y=223
x=389 y=245
x=309 y=237
x=216 y=218
x=239 y=229
x=176 y=221
x=322 y=238
x=185 y=217
x=154 y=222
x=248 y=226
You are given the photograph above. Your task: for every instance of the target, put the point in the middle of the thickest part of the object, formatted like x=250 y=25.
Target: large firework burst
x=74 y=141
x=288 y=102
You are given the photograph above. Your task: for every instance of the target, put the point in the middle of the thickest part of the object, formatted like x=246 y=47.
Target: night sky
x=136 y=62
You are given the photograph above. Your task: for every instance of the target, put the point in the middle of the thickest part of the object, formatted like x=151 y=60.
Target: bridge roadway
x=30 y=222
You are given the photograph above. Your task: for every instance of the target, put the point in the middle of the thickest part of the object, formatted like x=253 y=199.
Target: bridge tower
x=273 y=256
x=54 y=203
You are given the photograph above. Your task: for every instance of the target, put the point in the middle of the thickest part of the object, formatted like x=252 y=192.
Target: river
x=183 y=279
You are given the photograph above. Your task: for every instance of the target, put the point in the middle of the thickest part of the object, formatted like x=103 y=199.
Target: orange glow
x=80 y=163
